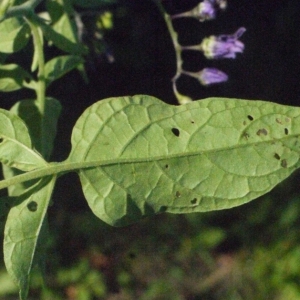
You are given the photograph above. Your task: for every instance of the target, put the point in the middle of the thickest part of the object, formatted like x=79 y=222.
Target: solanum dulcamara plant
x=136 y=156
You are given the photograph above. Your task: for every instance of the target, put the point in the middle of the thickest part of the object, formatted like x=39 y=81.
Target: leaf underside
x=24 y=238
x=206 y=155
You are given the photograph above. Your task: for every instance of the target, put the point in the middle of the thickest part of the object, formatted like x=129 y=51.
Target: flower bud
x=204 y=11
x=208 y=76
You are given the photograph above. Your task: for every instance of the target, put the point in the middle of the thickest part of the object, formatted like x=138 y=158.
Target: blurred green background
x=246 y=253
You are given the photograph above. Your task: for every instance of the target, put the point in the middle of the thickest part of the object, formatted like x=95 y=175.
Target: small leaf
x=60 y=65
x=12 y=77
x=24 y=228
x=15 y=34
x=42 y=131
x=150 y=157
x=15 y=144
x=61 y=41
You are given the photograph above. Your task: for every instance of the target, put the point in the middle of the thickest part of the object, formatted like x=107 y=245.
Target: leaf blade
x=206 y=155
x=60 y=65
x=15 y=34
x=15 y=144
x=22 y=231
x=12 y=77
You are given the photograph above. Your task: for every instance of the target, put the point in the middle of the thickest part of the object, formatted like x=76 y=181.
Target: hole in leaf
x=193 y=122
x=286 y=131
x=167 y=166
x=284 y=163
x=262 y=131
x=277 y=156
x=194 y=201
x=32 y=206
x=1 y=140
x=250 y=118
x=176 y=131
x=178 y=194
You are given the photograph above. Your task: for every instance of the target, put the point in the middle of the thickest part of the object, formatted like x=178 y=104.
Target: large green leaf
x=15 y=34
x=15 y=144
x=150 y=157
x=12 y=77
x=24 y=236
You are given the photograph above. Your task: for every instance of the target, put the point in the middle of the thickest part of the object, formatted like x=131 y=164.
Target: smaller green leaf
x=24 y=232
x=65 y=27
x=42 y=131
x=12 y=77
x=15 y=34
x=60 y=65
x=15 y=144
x=61 y=41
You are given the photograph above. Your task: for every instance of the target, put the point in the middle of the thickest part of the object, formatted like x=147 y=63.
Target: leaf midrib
x=69 y=166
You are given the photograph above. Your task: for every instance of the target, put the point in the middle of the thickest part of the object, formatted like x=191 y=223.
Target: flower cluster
x=213 y=47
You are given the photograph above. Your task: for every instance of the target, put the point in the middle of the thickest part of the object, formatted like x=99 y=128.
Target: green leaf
x=12 y=77
x=15 y=144
x=24 y=232
x=61 y=41
x=42 y=131
x=15 y=34
x=150 y=157
x=60 y=65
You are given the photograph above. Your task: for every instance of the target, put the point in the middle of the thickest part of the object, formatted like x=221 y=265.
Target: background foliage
x=250 y=252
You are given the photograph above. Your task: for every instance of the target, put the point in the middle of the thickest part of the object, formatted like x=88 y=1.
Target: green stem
x=177 y=47
x=40 y=89
x=24 y=9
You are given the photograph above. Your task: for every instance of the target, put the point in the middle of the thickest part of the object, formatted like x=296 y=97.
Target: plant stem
x=23 y=9
x=174 y=37
x=39 y=62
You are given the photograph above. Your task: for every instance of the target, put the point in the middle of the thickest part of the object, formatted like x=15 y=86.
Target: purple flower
x=223 y=46
x=204 y=11
x=208 y=76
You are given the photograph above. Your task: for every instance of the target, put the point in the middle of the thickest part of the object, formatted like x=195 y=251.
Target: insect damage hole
x=286 y=131
x=176 y=131
x=1 y=139
x=32 y=206
x=277 y=156
x=194 y=201
x=250 y=118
